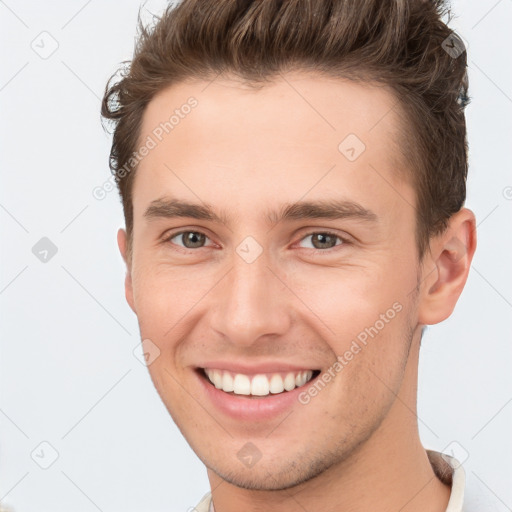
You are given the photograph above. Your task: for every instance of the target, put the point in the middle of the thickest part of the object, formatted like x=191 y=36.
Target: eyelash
x=344 y=240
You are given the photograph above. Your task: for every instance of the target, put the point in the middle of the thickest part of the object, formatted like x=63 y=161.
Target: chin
x=273 y=476
x=265 y=480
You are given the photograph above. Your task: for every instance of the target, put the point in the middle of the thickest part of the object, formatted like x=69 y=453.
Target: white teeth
x=304 y=377
x=217 y=379
x=241 y=384
x=289 y=381
x=276 y=384
x=227 y=382
x=259 y=385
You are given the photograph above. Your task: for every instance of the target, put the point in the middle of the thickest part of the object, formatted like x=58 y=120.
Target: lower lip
x=243 y=407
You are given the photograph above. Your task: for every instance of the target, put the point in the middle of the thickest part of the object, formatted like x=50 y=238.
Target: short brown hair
x=403 y=44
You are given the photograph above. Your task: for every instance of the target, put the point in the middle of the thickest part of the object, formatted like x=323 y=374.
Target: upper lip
x=250 y=369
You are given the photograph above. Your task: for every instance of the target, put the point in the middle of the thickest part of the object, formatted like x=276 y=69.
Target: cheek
x=369 y=374
x=347 y=300
x=163 y=295
x=366 y=324
x=170 y=388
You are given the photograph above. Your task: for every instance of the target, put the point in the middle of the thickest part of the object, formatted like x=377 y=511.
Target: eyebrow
x=336 y=209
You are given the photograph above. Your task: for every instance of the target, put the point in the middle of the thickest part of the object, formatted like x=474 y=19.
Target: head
x=317 y=168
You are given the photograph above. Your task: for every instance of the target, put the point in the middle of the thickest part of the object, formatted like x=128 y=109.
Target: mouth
x=259 y=385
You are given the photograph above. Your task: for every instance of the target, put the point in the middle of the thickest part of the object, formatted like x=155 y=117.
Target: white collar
x=450 y=471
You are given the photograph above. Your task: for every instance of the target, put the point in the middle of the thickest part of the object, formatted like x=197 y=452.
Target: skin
x=247 y=151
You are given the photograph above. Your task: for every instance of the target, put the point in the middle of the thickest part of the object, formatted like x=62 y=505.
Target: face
x=295 y=255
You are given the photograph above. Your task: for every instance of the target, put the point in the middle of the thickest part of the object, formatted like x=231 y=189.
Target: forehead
x=280 y=139
x=328 y=105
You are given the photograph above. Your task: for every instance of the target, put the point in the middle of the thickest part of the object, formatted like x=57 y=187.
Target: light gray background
x=68 y=373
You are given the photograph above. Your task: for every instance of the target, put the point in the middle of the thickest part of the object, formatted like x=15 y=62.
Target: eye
x=189 y=239
x=323 y=240
x=320 y=240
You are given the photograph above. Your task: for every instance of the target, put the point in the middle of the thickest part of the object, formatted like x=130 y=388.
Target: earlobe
x=445 y=275
x=122 y=242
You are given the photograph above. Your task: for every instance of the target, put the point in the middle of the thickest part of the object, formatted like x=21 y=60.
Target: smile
x=261 y=384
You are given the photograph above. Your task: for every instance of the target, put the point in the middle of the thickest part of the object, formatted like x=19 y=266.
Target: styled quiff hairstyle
x=401 y=44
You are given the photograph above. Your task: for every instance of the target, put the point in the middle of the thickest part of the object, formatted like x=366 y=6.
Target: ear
x=122 y=242
x=446 y=268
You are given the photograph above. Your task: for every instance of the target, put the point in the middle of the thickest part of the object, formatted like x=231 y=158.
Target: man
x=293 y=180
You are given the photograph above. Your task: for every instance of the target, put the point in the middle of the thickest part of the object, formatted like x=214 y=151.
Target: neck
x=390 y=472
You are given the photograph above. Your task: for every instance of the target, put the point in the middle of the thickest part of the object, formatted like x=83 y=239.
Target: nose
x=251 y=302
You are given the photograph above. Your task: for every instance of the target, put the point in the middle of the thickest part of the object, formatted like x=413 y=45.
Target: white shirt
x=463 y=498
